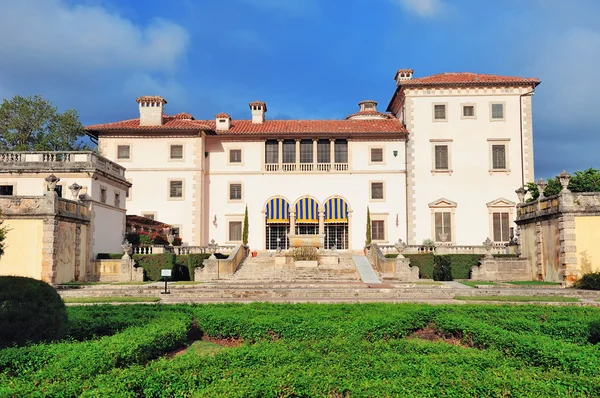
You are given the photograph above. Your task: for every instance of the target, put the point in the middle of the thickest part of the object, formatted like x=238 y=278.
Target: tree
x=245 y=231
x=33 y=124
x=369 y=235
x=581 y=181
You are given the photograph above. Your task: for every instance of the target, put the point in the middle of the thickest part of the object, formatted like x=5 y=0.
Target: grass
x=548 y=299
x=111 y=299
x=533 y=283
x=477 y=283
x=204 y=348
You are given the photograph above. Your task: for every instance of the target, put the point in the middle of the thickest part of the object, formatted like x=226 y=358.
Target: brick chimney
x=223 y=121
x=403 y=75
x=151 y=110
x=258 y=109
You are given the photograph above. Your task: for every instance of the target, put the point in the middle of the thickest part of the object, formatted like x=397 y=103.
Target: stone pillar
x=538 y=250
x=279 y=154
x=77 y=251
x=315 y=153
x=321 y=222
x=49 y=249
x=568 y=253
x=293 y=222
x=332 y=152
x=297 y=154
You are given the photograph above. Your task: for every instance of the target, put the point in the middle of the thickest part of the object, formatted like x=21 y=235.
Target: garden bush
x=460 y=264
x=305 y=254
x=589 y=281
x=109 y=256
x=192 y=261
x=424 y=262
x=30 y=311
x=153 y=263
x=442 y=268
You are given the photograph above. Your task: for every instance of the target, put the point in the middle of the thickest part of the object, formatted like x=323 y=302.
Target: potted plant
x=254 y=253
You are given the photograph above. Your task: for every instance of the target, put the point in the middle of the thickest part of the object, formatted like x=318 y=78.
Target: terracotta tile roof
x=184 y=116
x=222 y=115
x=371 y=113
x=468 y=79
x=388 y=126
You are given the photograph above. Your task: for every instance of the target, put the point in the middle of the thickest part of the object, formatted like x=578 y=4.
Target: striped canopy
x=307 y=211
x=336 y=210
x=278 y=211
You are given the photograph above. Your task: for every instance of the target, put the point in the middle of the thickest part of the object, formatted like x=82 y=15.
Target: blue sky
x=305 y=58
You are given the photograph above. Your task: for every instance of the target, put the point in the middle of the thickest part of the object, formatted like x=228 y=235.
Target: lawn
x=549 y=299
x=111 y=299
x=312 y=350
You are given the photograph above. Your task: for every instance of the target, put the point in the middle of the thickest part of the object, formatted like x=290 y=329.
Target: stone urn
x=400 y=246
x=127 y=249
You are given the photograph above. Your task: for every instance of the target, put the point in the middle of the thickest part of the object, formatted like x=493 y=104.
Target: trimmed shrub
x=589 y=281
x=460 y=264
x=391 y=255
x=424 y=262
x=191 y=262
x=109 y=256
x=31 y=311
x=153 y=263
x=442 y=269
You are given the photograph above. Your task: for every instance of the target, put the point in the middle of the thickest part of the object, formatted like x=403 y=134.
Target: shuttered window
x=377 y=230
x=443 y=227
x=123 y=152
x=341 y=151
x=441 y=157
x=499 y=157
x=323 y=151
x=377 y=190
x=376 y=155
x=468 y=111
x=497 y=111
x=289 y=151
x=176 y=189
x=176 y=151
x=306 y=151
x=439 y=112
x=235 y=156
x=501 y=227
x=271 y=152
x=235 y=231
x=235 y=191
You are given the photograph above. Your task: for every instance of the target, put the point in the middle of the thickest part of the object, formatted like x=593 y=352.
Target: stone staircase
x=264 y=268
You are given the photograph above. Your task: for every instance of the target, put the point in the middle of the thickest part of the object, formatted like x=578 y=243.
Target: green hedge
x=589 y=281
x=424 y=262
x=192 y=261
x=182 y=266
x=109 y=256
x=30 y=311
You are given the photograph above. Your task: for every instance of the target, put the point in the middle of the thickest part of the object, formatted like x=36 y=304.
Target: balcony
x=306 y=167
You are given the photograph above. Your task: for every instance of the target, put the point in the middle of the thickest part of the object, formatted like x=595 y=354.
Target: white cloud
x=423 y=8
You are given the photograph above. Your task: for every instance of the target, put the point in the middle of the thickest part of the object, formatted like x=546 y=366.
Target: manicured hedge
x=589 y=281
x=424 y=262
x=153 y=263
x=30 y=311
x=109 y=256
x=461 y=264
x=192 y=261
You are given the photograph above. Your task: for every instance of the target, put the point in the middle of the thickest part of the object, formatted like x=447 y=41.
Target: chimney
x=258 y=109
x=151 y=110
x=403 y=75
x=223 y=121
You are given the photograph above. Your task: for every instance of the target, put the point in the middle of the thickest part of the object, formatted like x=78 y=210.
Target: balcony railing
x=306 y=167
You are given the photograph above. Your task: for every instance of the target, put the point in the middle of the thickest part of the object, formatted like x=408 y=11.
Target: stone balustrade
x=215 y=269
x=157 y=249
x=497 y=248
x=59 y=161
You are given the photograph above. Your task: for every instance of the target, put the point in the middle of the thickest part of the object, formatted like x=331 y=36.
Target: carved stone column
x=279 y=154
x=321 y=222
x=292 y=222
x=297 y=154
x=332 y=152
x=315 y=154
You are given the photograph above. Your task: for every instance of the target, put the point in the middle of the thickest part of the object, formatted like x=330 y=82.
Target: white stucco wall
x=471 y=184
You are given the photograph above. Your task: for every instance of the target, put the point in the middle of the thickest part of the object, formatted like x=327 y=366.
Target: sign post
x=166 y=274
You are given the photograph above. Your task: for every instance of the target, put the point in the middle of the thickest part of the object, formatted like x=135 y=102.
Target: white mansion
x=443 y=164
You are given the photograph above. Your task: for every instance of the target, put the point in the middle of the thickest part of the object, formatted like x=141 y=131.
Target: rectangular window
x=377 y=190
x=289 y=151
x=501 y=227
x=271 y=152
x=306 y=151
x=235 y=191
x=441 y=157
x=497 y=111
x=376 y=155
x=177 y=152
x=117 y=200
x=235 y=156
x=176 y=189
x=102 y=194
x=468 y=111
x=341 y=151
x=323 y=151
x=499 y=157
x=235 y=231
x=149 y=216
x=6 y=190
x=443 y=227
x=377 y=229
x=123 y=152
x=439 y=112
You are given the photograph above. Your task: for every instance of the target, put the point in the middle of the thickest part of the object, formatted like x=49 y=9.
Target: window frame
x=229 y=218
x=103 y=194
x=495 y=142
x=375 y=162
x=382 y=199
x=311 y=152
x=229 y=184
x=117 y=199
x=171 y=158
x=441 y=142
x=462 y=110
x=268 y=144
x=338 y=143
x=285 y=150
x=128 y=159
x=380 y=217
x=500 y=206
x=497 y=119
x=13 y=185
x=321 y=144
x=443 y=205
x=175 y=198
x=229 y=162
x=433 y=106
x=154 y=215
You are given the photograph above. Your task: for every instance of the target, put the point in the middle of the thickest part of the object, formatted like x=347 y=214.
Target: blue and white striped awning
x=278 y=211
x=336 y=210
x=307 y=211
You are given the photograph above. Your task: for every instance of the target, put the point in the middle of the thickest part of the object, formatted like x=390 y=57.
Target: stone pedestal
x=329 y=259
x=210 y=271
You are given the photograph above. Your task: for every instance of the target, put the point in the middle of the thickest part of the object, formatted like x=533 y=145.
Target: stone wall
x=502 y=269
x=398 y=268
x=119 y=270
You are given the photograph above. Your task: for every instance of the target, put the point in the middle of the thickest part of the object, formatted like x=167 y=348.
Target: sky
x=307 y=59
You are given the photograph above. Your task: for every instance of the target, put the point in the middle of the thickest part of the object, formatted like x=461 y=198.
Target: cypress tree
x=369 y=237
x=245 y=231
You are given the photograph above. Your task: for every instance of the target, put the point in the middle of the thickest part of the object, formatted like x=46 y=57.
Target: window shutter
x=235 y=191
x=505 y=228
x=176 y=189
x=377 y=190
x=497 y=227
x=498 y=156
x=376 y=155
x=176 y=151
x=235 y=231
x=235 y=156
x=441 y=157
